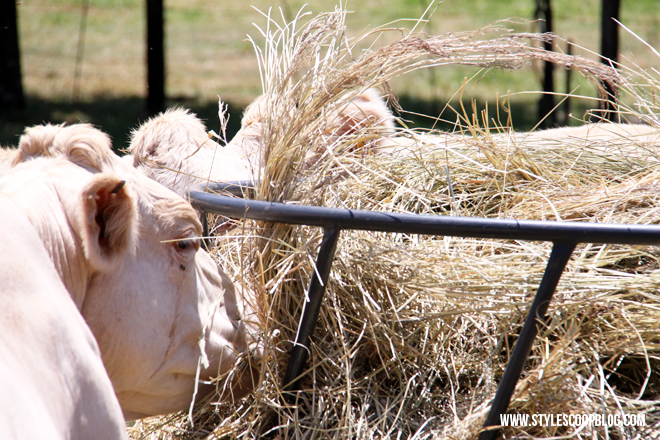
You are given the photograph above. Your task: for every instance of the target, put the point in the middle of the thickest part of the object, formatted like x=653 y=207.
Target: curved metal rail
x=564 y=236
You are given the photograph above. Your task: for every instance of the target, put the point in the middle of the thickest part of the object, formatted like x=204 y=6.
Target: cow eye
x=186 y=244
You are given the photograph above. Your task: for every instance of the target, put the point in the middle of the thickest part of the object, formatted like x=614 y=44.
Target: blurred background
x=86 y=60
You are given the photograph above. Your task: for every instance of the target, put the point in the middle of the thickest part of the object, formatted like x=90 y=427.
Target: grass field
x=208 y=55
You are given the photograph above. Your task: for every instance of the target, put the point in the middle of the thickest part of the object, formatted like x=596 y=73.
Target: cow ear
x=108 y=217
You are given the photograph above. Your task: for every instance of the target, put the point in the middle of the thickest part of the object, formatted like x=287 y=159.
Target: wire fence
x=85 y=48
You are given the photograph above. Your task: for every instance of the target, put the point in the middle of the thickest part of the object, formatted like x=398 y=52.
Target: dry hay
x=415 y=331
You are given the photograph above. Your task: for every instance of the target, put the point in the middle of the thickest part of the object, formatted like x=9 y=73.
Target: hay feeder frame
x=564 y=235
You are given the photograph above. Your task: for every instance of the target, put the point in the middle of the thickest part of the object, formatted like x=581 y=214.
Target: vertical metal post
x=609 y=49
x=206 y=236
x=567 y=98
x=547 y=101
x=155 y=57
x=561 y=253
x=11 y=82
x=315 y=292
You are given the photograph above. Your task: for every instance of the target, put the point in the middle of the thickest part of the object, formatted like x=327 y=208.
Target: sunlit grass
x=208 y=55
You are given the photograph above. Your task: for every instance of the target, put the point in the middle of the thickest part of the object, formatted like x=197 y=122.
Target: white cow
x=52 y=381
x=174 y=147
x=128 y=254
x=175 y=150
x=6 y=156
x=601 y=135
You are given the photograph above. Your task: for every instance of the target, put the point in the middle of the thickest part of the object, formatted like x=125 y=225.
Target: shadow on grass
x=115 y=116
x=118 y=116
x=523 y=114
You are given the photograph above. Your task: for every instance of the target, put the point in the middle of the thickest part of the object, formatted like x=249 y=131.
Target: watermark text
x=574 y=420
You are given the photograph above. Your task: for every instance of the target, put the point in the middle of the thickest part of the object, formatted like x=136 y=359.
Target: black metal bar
x=300 y=350
x=242 y=188
x=561 y=253
x=239 y=188
x=206 y=239
x=564 y=235
x=609 y=49
x=155 y=57
x=546 y=106
x=11 y=81
x=533 y=230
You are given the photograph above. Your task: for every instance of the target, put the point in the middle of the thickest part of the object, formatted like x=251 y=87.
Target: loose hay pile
x=416 y=331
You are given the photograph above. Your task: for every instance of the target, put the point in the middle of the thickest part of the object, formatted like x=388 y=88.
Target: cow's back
x=52 y=380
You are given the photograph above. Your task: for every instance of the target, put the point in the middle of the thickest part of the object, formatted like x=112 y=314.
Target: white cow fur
x=147 y=299
x=601 y=135
x=52 y=381
x=177 y=141
x=174 y=148
x=366 y=110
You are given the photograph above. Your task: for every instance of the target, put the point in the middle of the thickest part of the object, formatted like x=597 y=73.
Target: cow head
x=174 y=148
x=128 y=252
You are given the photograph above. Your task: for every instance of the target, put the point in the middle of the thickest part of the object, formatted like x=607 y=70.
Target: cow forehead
x=159 y=206
x=177 y=215
x=167 y=210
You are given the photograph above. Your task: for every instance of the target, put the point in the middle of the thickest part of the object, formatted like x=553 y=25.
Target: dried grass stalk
x=416 y=330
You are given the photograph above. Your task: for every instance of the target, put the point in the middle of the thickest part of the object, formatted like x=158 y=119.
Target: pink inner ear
x=102 y=202
x=114 y=224
x=110 y=209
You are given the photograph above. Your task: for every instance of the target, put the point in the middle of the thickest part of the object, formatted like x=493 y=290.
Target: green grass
x=208 y=55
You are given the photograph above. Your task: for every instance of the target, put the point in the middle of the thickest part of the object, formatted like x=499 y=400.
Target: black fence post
x=155 y=57
x=567 y=99
x=609 y=49
x=547 y=101
x=11 y=85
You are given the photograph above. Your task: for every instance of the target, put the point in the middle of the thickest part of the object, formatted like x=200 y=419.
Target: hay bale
x=416 y=331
